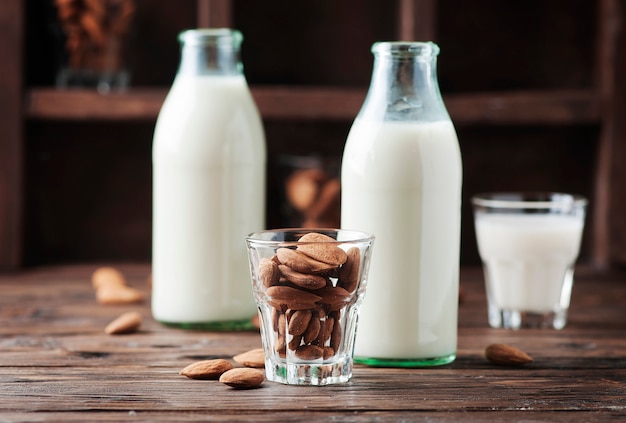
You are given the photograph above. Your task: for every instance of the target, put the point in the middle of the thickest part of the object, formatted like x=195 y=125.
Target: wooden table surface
x=57 y=364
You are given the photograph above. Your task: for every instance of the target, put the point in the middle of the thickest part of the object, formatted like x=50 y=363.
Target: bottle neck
x=404 y=82
x=210 y=52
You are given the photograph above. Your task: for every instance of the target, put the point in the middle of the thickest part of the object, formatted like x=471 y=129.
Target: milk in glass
x=529 y=258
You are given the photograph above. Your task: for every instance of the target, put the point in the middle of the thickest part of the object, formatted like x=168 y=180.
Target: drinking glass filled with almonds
x=308 y=285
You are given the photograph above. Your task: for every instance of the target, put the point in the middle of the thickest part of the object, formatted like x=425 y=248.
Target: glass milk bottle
x=209 y=157
x=401 y=181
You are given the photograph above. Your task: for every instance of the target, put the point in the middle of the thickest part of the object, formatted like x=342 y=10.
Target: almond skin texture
x=335 y=296
x=309 y=352
x=313 y=330
x=128 y=322
x=299 y=321
x=303 y=280
x=292 y=298
x=349 y=273
x=253 y=358
x=506 y=355
x=323 y=250
x=243 y=378
x=300 y=262
x=207 y=369
x=268 y=272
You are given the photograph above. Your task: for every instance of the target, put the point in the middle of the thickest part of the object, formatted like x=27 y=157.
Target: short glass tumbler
x=528 y=243
x=308 y=285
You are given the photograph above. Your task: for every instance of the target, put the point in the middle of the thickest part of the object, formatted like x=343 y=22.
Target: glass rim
x=358 y=236
x=528 y=200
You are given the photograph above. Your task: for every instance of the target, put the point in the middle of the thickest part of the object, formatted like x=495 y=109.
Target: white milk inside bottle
x=401 y=181
x=407 y=193
x=208 y=188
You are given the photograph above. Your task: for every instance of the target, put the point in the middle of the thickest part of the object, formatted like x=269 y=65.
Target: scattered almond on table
x=506 y=355
x=253 y=358
x=243 y=378
x=111 y=288
x=207 y=369
x=128 y=322
x=247 y=377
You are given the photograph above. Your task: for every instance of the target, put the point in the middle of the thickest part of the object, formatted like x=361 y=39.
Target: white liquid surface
x=402 y=182
x=527 y=258
x=209 y=187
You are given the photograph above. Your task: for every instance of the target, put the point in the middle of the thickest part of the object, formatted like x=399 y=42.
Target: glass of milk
x=528 y=243
x=309 y=285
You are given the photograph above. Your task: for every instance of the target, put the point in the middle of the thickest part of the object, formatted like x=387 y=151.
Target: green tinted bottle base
x=405 y=362
x=221 y=326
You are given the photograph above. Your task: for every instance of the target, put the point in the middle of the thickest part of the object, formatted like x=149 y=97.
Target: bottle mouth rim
x=406 y=48
x=211 y=36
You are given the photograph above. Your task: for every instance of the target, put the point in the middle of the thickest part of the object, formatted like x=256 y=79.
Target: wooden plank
x=324 y=103
x=11 y=42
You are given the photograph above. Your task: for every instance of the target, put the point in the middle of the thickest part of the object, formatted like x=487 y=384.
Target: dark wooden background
x=533 y=87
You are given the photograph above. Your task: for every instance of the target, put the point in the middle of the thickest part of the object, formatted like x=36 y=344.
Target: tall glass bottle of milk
x=401 y=181
x=209 y=157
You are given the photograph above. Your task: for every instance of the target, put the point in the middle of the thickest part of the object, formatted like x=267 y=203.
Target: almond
x=291 y=298
x=506 y=355
x=322 y=248
x=268 y=272
x=207 y=369
x=312 y=330
x=126 y=323
x=299 y=321
x=309 y=352
x=303 y=280
x=349 y=272
x=112 y=294
x=107 y=276
x=335 y=337
x=295 y=342
x=326 y=328
x=300 y=262
x=280 y=347
x=335 y=296
x=328 y=352
x=243 y=378
x=252 y=358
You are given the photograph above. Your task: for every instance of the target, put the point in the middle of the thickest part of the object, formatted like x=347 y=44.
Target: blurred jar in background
x=310 y=191
x=94 y=36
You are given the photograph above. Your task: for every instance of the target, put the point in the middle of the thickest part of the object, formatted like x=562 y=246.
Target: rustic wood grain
x=56 y=363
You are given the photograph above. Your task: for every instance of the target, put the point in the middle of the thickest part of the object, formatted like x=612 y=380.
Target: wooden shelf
x=559 y=83
x=323 y=103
